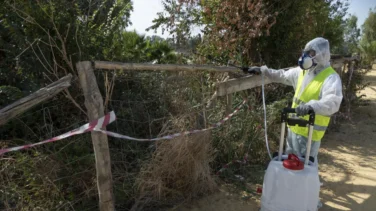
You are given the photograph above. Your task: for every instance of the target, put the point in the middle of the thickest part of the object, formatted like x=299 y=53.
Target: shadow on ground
x=347 y=163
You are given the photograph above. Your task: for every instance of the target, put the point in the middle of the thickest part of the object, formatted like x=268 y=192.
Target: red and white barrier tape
x=117 y=135
x=96 y=124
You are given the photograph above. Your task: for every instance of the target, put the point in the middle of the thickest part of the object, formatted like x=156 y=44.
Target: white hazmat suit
x=330 y=95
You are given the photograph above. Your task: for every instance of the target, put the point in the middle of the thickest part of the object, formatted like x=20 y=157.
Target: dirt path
x=347 y=161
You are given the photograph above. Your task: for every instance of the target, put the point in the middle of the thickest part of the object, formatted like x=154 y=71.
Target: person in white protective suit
x=317 y=86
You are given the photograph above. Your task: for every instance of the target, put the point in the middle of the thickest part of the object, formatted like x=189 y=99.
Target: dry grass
x=178 y=171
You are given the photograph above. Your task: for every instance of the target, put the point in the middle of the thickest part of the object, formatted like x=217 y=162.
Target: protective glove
x=303 y=109
x=252 y=70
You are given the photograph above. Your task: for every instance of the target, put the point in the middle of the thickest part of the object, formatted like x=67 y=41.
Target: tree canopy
x=262 y=31
x=368 y=39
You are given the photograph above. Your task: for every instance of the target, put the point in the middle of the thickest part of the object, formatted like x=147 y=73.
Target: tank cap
x=293 y=163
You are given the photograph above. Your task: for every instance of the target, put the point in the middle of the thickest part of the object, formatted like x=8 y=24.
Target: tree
x=229 y=26
x=368 y=39
x=352 y=34
x=297 y=23
x=138 y=48
x=351 y=37
x=263 y=31
x=178 y=18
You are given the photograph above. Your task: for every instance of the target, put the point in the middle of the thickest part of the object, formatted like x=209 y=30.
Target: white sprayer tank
x=290 y=190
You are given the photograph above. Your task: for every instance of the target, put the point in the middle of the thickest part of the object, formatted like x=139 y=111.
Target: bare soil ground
x=347 y=162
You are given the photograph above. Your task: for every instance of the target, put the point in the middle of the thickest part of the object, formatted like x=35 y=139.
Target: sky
x=144 y=11
x=360 y=8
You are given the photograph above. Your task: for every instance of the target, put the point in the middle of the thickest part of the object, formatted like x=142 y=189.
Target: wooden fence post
x=94 y=106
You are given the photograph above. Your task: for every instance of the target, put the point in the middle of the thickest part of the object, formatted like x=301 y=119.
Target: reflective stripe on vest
x=312 y=92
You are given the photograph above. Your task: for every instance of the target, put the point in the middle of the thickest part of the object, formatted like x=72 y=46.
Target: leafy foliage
x=352 y=35
x=368 y=40
x=297 y=23
x=230 y=26
x=260 y=31
x=9 y=94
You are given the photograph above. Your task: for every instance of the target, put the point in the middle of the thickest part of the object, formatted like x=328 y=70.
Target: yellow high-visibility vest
x=312 y=92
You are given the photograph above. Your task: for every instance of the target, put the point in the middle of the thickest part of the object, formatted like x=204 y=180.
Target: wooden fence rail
x=24 y=104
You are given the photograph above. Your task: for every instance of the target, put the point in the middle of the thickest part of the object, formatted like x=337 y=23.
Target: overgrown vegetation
x=368 y=39
x=40 y=41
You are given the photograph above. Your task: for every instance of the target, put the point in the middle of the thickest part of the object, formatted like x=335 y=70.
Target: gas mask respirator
x=306 y=61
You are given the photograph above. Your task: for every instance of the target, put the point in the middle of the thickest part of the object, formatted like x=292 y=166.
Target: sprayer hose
x=265 y=123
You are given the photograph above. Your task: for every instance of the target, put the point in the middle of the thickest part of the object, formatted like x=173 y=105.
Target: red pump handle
x=293 y=163
x=293 y=157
